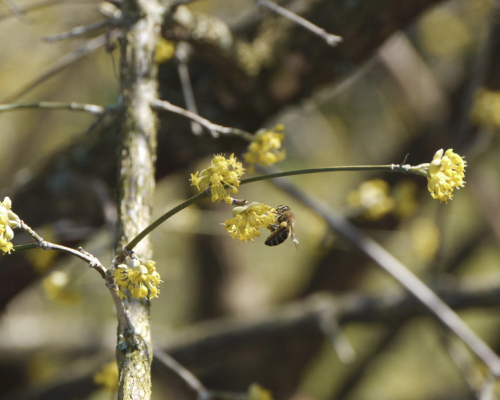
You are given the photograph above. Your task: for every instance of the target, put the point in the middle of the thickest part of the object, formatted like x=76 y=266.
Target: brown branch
x=398 y=271
x=225 y=338
x=331 y=40
x=142 y=21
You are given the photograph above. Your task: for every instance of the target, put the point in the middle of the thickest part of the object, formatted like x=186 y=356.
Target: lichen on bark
x=142 y=20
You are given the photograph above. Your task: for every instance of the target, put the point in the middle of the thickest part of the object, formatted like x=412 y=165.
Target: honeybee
x=282 y=228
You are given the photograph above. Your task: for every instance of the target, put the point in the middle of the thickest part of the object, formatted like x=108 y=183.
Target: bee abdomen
x=277 y=237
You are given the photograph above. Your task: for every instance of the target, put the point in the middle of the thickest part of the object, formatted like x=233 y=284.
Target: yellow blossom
x=165 y=50
x=445 y=173
x=425 y=237
x=257 y=392
x=486 y=108
x=140 y=278
x=43 y=367
x=405 y=196
x=107 y=377
x=265 y=148
x=247 y=220
x=8 y=221
x=221 y=173
x=372 y=198
x=56 y=286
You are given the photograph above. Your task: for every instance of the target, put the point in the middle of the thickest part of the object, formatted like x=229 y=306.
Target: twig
x=463 y=361
x=399 y=272
x=215 y=129
x=78 y=31
x=330 y=39
x=176 y=3
x=94 y=263
x=179 y=371
x=223 y=338
x=487 y=392
x=182 y=53
x=359 y=370
x=89 y=108
x=340 y=343
x=193 y=384
x=15 y=9
x=65 y=61
x=203 y=195
x=43 y=4
x=42 y=244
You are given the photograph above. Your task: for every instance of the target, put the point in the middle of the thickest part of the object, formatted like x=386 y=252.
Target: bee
x=282 y=228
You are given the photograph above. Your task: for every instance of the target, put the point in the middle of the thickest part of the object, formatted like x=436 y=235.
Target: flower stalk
x=205 y=194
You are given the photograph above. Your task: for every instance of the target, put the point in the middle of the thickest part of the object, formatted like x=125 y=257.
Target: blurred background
x=409 y=78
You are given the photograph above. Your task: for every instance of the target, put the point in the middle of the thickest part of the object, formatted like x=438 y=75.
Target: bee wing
x=295 y=240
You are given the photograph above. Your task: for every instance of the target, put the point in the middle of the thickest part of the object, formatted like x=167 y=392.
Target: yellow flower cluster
x=165 y=50
x=57 y=288
x=446 y=173
x=425 y=238
x=140 y=278
x=107 y=377
x=222 y=172
x=486 y=108
x=247 y=220
x=257 y=392
x=373 y=199
x=265 y=148
x=8 y=221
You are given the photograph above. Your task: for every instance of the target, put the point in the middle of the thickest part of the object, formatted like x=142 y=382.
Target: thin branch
x=222 y=339
x=42 y=244
x=89 y=47
x=42 y=4
x=193 y=384
x=15 y=9
x=214 y=129
x=359 y=370
x=177 y=370
x=121 y=312
x=204 y=195
x=331 y=40
x=183 y=53
x=131 y=245
x=463 y=361
x=78 y=31
x=89 y=108
x=399 y=272
x=488 y=390
x=340 y=343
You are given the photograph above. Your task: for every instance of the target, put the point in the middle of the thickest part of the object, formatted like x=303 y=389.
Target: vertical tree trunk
x=142 y=26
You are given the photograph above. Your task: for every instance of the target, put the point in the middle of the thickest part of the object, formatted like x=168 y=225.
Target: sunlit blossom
x=372 y=199
x=265 y=148
x=446 y=173
x=57 y=286
x=223 y=172
x=257 y=392
x=247 y=220
x=165 y=50
x=8 y=221
x=107 y=377
x=485 y=110
x=425 y=238
x=140 y=278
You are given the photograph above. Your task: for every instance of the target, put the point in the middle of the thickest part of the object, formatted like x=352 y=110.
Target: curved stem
x=130 y=246
x=318 y=170
x=200 y=196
